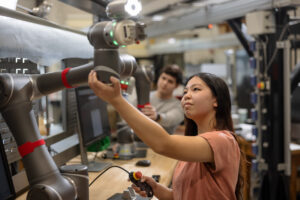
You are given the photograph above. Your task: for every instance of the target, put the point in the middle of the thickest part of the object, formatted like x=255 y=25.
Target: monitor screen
x=93 y=116
x=7 y=190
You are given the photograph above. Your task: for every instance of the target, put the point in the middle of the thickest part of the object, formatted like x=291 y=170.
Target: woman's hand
x=151 y=182
x=109 y=93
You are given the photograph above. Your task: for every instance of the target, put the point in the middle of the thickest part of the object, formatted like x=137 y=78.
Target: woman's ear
x=215 y=104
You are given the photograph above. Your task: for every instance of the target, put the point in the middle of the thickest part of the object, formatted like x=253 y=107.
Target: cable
x=105 y=171
x=276 y=49
x=264 y=44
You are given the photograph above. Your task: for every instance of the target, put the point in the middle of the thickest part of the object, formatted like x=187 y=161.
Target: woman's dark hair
x=173 y=70
x=220 y=91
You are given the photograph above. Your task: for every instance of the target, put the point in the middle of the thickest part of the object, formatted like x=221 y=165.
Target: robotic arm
x=126 y=148
x=17 y=92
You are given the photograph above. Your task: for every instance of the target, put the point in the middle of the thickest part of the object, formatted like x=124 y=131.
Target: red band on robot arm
x=64 y=77
x=124 y=86
x=29 y=147
x=142 y=106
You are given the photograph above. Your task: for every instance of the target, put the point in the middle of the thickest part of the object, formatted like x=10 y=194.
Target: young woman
x=209 y=155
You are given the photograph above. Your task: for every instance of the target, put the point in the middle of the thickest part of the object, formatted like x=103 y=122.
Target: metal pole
x=287 y=106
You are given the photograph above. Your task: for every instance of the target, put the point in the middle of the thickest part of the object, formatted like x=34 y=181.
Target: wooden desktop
x=115 y=180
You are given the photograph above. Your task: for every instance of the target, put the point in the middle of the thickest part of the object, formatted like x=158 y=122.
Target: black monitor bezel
x=105 y=121
x=7 y=172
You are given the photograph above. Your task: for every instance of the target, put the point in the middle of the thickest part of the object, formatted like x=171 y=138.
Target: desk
x=115 y=180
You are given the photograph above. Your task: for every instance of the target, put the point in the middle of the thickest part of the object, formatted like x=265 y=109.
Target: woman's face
x=198 y=101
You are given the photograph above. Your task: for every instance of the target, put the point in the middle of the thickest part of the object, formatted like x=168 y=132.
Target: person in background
x=165 y=108
x=210 y=161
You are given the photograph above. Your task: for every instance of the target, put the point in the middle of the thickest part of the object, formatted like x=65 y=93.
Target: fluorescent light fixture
x=133 y=7
x=230 y=51
x=171 y=40
x=10 y=4
x=157 y=18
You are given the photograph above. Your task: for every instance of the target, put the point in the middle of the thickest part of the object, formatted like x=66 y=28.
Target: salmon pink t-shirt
x=210 y=181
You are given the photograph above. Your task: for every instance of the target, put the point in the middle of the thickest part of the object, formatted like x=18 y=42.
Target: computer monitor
x=93 y=122
x=7 y=191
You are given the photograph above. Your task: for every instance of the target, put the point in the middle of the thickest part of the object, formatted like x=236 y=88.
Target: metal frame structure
x=211 y=13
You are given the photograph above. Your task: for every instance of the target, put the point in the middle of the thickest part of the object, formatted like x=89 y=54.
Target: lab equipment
x=18 y=91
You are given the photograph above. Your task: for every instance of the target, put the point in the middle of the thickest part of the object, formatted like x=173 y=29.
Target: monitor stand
x=93 y=166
